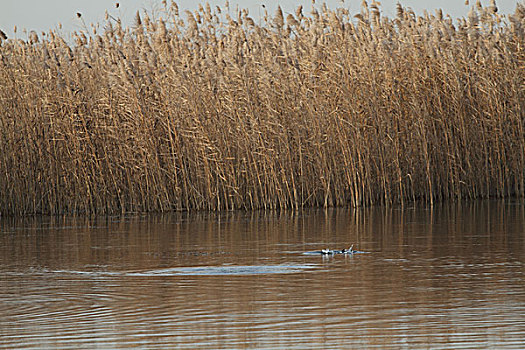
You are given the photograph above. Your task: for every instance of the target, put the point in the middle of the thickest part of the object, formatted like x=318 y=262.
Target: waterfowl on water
x=330 y=252
x=343 y=251
x=349 y=250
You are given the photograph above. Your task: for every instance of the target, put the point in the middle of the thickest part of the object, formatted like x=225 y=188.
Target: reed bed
x=215 y=110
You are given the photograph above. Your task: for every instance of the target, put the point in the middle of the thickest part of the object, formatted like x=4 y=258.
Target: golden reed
x=214 y=110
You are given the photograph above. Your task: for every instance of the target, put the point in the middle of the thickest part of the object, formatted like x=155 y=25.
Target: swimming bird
x=349 y=250
x=330 y=252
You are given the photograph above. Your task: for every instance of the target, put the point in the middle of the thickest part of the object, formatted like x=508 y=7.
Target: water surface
x=450 y=277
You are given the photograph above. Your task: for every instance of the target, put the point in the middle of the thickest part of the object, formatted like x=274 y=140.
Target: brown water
x=451 y=277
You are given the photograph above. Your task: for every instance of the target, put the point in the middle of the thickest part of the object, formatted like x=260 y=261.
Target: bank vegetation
x=217 y=110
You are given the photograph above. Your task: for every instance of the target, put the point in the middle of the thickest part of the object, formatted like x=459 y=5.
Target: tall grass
x=215 y=110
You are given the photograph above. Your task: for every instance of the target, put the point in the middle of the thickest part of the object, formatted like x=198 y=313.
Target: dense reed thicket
x=215 y=110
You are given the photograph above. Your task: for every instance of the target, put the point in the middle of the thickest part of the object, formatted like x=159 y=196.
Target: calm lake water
x=451 y=277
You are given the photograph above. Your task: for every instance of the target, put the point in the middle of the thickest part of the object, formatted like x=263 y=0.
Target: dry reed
x=210 y=110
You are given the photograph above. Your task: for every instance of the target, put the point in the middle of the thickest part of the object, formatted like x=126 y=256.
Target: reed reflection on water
x=448 y=277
